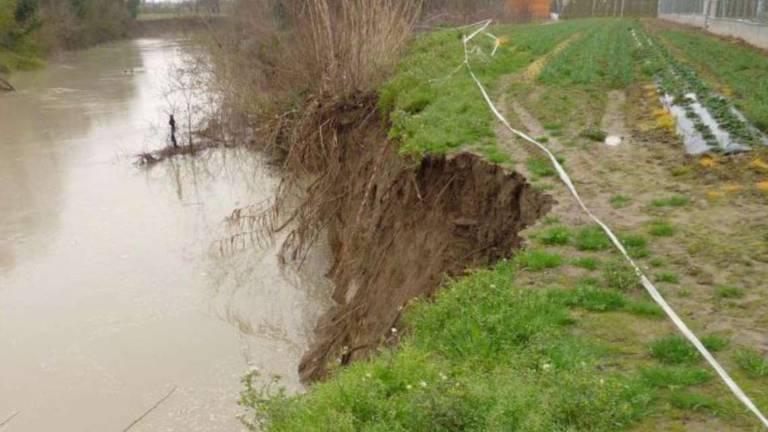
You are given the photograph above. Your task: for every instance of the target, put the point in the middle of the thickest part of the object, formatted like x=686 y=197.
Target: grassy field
x=563 y=338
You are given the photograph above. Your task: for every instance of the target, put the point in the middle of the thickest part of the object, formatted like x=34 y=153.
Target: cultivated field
x=662 y=130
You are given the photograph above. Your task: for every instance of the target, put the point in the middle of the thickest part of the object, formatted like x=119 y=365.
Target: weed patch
x=620 y=276
x=673 y=349
x=587 y=263
x=555 y=236
x=620 y=201
x=592 y=238
x=673 y=201
x=694 y=402
x=674 y=376
x=668 y=277
x=661 y=228
x=729 y=292
x=537 y=260
x=754 y=364
x=714 y=342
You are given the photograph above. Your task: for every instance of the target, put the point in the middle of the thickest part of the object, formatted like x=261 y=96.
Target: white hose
x=647 y=284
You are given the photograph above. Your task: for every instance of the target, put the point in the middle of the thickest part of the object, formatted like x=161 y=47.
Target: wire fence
x=753 y=11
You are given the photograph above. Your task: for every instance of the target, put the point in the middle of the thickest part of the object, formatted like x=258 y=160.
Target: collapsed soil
x=397 y=228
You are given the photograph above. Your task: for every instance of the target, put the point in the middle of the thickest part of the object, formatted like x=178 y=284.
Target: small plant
x=672 y=377
x=537 y=260
x=636 y=246
x=587 y=263
x=592 y=239
x=540 y=167
x=673 y=201
x=668 y=277
x=673 y=349
x=714 y=342
x=597 y=300
x=656 y=262
x=729 y=292
x=694 y=402
x=620 y=276
x=660 y=228
x=684 y=292
x=594 y=133
x=620 y=201
x=750 y=360
x=555 y=236
x=644 y=308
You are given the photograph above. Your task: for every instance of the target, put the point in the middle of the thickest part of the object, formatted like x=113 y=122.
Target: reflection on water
x=110 y=290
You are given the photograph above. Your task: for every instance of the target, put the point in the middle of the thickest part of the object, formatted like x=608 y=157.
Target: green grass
x=643 y=308
x=540 y=167
x=592 y=238
x=656 y=262
x=668 y=277
x=619 y=275
x=673 y=201
x=752 y=362
x=729 y=292
x=432 y=103
x=674 y=376
x=694 y=402
x=620 y=201
x=661 y=228
x=537 y=260
x=487 y=355
x=587 y=263
x=741 y=68
x=715 y=342
x=555 y=236
x=673 y=349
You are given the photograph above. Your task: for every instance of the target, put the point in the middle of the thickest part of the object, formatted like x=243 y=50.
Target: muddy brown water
x=111 y=293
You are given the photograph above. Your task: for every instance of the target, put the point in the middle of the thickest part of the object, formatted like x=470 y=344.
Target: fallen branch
x=8 y=420
x=154 y=407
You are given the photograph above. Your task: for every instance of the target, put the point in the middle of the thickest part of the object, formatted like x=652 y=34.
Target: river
x=112 y=293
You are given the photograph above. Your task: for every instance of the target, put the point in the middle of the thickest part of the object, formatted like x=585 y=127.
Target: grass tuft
x=673 y=201
x=661 y=228
x=673 y=377
x=668 y=277
x=592 y=238
x=619 y=275
x=620 y=201
x=694 y=402
x=750 y=360
x=729 y=292
x=537 y=260
x=555 y=236
x=715 y=342
x=673 y=349
x=587 y=263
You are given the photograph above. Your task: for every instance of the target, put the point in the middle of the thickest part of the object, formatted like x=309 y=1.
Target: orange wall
x=532 y=8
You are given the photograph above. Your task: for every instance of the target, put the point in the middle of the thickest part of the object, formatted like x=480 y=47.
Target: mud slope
x=399 y=229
